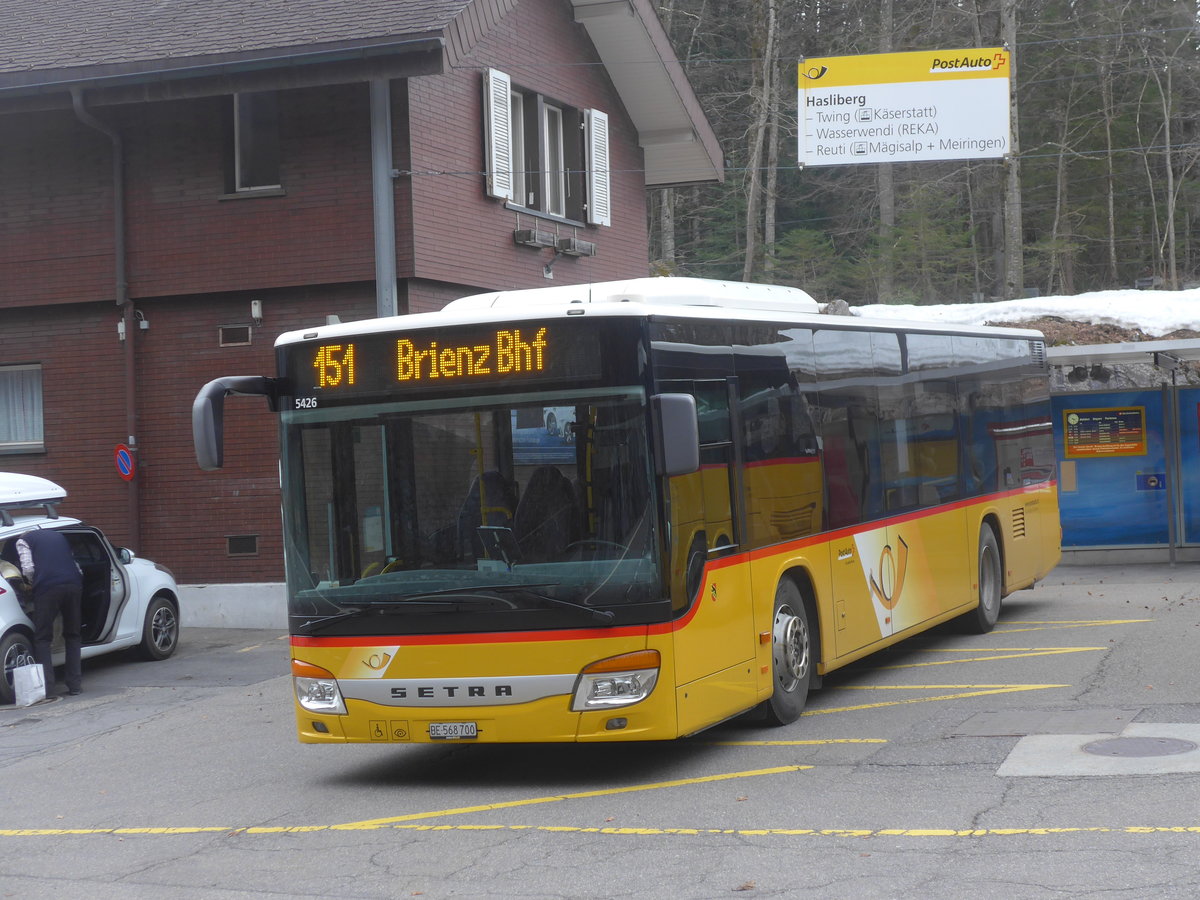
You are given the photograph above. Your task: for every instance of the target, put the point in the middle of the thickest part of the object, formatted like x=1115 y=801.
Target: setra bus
x=743 y=495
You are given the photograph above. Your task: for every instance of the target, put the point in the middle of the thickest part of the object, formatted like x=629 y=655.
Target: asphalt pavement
x=1055 y=757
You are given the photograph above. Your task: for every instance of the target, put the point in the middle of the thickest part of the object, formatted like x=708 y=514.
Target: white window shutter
x=497 y=129
x=599 y=174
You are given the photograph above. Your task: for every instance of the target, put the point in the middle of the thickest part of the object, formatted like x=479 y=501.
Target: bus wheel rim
x=790 y=648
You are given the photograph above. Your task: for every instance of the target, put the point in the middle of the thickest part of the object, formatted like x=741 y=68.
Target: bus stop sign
x=123 y=457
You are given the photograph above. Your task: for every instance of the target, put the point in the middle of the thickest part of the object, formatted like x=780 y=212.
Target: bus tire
x=983 y=617
x=791 y=656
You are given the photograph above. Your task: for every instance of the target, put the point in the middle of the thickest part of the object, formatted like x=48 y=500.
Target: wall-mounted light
x=256 y=312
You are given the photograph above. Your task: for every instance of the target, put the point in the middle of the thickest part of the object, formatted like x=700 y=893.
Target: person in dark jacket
x=47 y=561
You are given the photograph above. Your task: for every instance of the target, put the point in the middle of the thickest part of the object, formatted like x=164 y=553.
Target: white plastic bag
x=29 y=684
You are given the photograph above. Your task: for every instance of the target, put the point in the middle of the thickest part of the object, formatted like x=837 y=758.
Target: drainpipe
x=384 y=197
x=122 y=294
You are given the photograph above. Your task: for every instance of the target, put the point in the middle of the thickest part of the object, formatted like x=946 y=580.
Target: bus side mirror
x=678 y=444
x=208 y=414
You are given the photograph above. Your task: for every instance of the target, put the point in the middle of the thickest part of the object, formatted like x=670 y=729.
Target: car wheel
x=160 y=632
x=16 y=650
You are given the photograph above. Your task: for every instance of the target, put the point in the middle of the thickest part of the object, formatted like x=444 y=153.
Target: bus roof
x=690 y=297
x=651 y=292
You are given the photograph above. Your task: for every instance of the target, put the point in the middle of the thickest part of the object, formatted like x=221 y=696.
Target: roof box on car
x=27 y=491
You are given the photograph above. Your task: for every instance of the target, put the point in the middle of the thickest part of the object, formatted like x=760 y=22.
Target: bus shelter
x=1127 y=438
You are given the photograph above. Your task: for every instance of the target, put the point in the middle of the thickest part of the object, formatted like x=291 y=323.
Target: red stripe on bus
x=875 y=524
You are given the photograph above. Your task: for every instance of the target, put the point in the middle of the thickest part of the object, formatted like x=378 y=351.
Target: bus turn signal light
x=617 y=681
x=316 y=689
x=639 y=659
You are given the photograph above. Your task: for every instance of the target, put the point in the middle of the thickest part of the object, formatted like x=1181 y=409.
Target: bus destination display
x=442 y=359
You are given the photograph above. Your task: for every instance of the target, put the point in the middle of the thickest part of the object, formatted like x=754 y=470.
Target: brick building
x=179 y=183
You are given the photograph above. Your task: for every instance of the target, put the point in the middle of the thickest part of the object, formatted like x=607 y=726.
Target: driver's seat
x=547 y=517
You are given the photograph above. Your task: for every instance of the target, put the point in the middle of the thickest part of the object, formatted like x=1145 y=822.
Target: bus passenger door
x=715 y=646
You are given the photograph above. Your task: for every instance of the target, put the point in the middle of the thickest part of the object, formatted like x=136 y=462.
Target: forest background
x=1100 y=191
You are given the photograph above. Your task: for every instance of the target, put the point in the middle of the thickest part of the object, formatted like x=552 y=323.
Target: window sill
x=538 y=214
x=254 y=192
x=16 y=449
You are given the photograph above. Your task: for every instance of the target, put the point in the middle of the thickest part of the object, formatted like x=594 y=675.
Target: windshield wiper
x=442 y=599
x=599 y=615
x=461 y=595
x=322 y=621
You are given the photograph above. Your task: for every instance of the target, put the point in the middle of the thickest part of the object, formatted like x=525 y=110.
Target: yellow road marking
x=581 y=795
x=617 y=830
x=812 y=743
x=997 y=649
x=1065 y=623
x=1023 y=654
x=825 y=832
x=248 y=649
x=981 y=690
x=1079 y=621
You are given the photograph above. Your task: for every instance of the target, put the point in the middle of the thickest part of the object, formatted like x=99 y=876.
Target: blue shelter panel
x=1189 y=462
x=1113 y=470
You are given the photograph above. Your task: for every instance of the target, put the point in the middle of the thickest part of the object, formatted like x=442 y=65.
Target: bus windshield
x=505 y=513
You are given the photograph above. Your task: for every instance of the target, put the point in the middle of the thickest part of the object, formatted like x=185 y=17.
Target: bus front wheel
x=791 y=656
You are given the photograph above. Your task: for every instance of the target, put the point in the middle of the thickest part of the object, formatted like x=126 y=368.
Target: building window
x=255 y=141
x=241 y=545
x=545 y=156
x=517 y=156
x=21 y=409
x=554 y=177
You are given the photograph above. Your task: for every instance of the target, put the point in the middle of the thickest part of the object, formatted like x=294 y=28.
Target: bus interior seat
x=495 y=506
x=546 y=520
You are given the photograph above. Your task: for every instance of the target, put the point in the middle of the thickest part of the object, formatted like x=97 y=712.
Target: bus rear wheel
x=791 y=656
x=982 y=618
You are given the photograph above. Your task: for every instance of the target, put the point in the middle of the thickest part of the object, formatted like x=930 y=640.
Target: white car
x=559 y=420
x=127 y=601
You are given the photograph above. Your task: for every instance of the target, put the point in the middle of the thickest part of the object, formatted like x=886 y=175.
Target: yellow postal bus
x=744 y=494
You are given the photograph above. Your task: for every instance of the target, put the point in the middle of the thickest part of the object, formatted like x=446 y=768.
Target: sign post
x=904 y=107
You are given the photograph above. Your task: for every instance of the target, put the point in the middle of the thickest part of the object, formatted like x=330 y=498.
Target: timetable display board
x=1112 y=431
x=449 y=359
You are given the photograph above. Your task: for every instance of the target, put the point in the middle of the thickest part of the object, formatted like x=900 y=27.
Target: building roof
x=137 y=50
x=1126 y=353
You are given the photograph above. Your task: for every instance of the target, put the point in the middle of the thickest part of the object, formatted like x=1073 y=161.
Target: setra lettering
x=451 y=691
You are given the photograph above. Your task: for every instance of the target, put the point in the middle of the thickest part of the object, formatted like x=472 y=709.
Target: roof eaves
x=116 y=75
x=679 y=143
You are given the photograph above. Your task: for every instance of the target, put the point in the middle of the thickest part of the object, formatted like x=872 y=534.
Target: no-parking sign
x=123 y=457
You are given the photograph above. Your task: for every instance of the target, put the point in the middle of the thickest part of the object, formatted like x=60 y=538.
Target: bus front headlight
x=617 y=681
x=316 y=689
